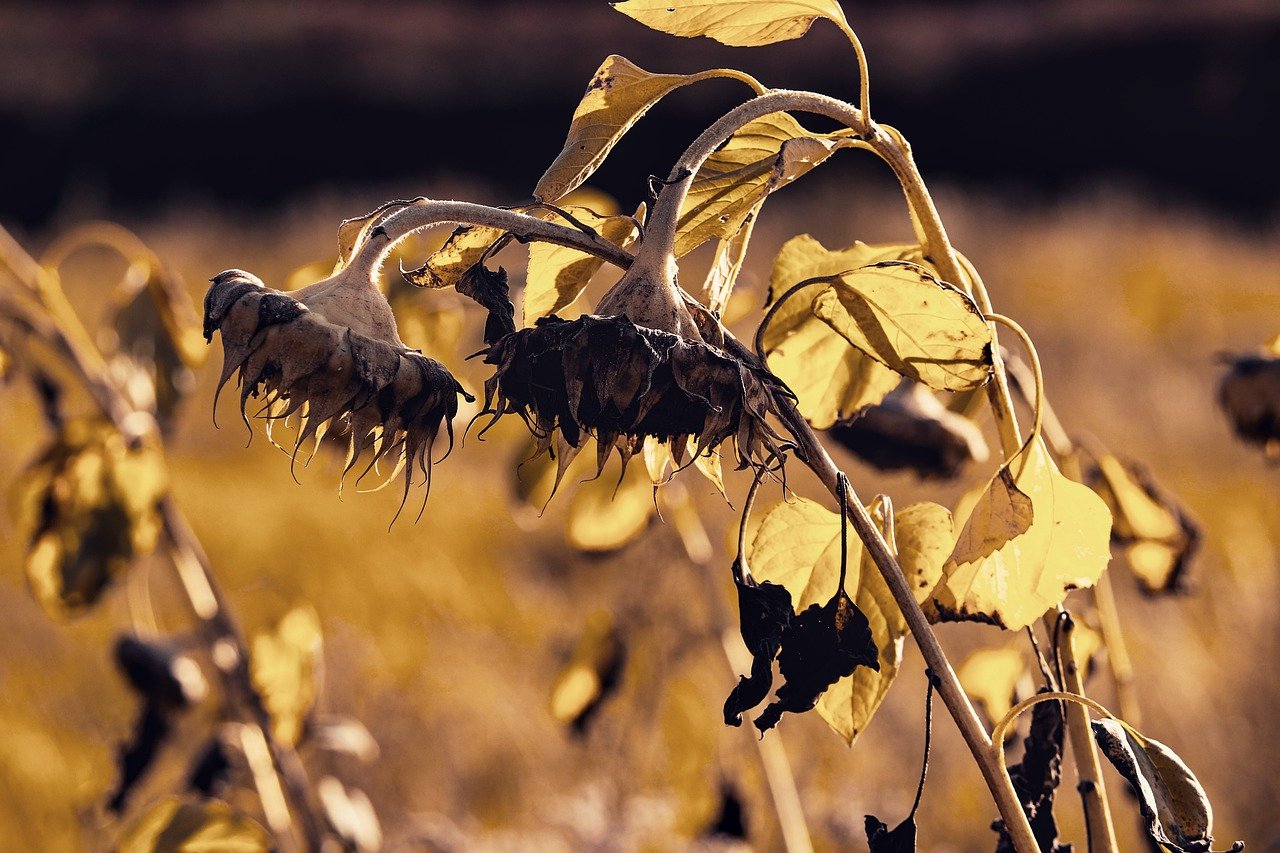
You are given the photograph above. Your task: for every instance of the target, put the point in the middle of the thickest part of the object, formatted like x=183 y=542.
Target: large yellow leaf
x=906 y=319
x=284 y=666
x=831 y=379
x=619 y=93
x=1065 y=547
x=762 y=157
x=205 y=827
x=739 y=23
x=558 y=275
x=798 y=545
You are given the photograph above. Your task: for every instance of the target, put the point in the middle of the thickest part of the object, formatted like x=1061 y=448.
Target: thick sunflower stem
x=815 y=456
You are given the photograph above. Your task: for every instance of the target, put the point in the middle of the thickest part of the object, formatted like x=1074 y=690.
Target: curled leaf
x=738 y=23
x=558 y=275
x=489 y=288
x=764 y=615
x=467 y=246
x=1174 y=806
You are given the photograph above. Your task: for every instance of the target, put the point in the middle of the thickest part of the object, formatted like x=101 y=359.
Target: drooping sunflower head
x=649 y=363
x=330 y=356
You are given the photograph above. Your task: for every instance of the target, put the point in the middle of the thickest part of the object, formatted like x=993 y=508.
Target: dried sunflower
x=650 y=362
x=330 y=354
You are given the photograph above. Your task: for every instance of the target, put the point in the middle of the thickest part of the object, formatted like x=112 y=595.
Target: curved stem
x=1038 y=403
x=864 y=76
x=815 y=456
x=428 y=212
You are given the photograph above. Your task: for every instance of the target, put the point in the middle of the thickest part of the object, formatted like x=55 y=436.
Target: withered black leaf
x=764 y=615
x=822 y=645
x=135 y=757
x=1036 y=778
x=211 y=769
x=731 y=819
x=900 y=839
x=489 y=288
x=1249 y=393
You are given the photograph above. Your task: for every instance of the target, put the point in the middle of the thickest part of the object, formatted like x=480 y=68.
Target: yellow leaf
x=617 y=96
x=463 y=250
x=1001 y=513
x=925 y=536
x=592 y=668
x=212 y=826
x=798 y=545
x=990 y=677
x=906 y=319
x=558 y=275
x=606 y=514
x=284 y=665
x=726 y=265
x=831 y=379
x=1137 y=515
x=738 y=23
x=1066 y=547
x=1153 y=563
x=761 y=158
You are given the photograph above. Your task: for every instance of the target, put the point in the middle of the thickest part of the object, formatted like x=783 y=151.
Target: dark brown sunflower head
x=614 y=377
x=332 y=358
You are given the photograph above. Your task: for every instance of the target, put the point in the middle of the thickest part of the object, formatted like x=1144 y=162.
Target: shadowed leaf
x=902 y=316
x=738 y=23
x=764 y=614
x=489 y=288
x=558 y=275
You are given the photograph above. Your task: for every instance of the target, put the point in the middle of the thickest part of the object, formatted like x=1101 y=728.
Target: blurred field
x=445 y=637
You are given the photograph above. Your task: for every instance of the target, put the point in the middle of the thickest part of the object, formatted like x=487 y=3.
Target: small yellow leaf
x=761 y=158
x=726 y=265
x=606 y=514
x=1137 y=515
x=1002 y=513
x=990 y=677
x=558 y=275
x=738 y=23
x=906 y=319
x=925 y=535
x=212 y=826
x=284 y=665
x=1066 y=547
x=619 y=93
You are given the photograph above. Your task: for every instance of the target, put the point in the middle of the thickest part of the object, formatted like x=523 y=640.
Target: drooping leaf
x=1004 y=512
x=900 y=839
x=558 y=275
x=990 y=677
x=831 y=379
x=901 y=315
x=284 y=665
x=1066 y=547
x=489 y=288
x=738 y=23
x=911 y=430
x=1036 y=778
x=726 y=264
x=467 y=246
x=591 y=674
x=619 y=93
x=89 y=506
x=761 y=158
x=1177 y=812
x=1157 y=535
x=608 y=512
x=172 y=825
x=764 y=615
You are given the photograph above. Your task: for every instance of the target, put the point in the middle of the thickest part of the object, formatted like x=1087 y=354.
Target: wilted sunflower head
x=649 y=363
x=331 y=355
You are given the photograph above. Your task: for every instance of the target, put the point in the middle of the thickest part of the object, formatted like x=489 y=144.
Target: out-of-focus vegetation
x=447 y=638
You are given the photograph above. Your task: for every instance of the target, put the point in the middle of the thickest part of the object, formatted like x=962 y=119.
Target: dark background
x=137 y=107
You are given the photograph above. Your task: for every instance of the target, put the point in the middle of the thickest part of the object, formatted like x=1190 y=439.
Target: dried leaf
x=1066 y=547
x=726 y=264
x=1249 y=393
x=1004 y=512
x=591 y=674
x=1036 y=778
x=89 y=506
x=881 y=839
x=759 y=159
x=172 y=825
x=558 y=275
x=738 y=23
x=617 y=96
x=285 y=665
x=467 y=246
x=764 y=615
x=901 y=315
x=1174 y=805
x=489 y=288
x=831 y=379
